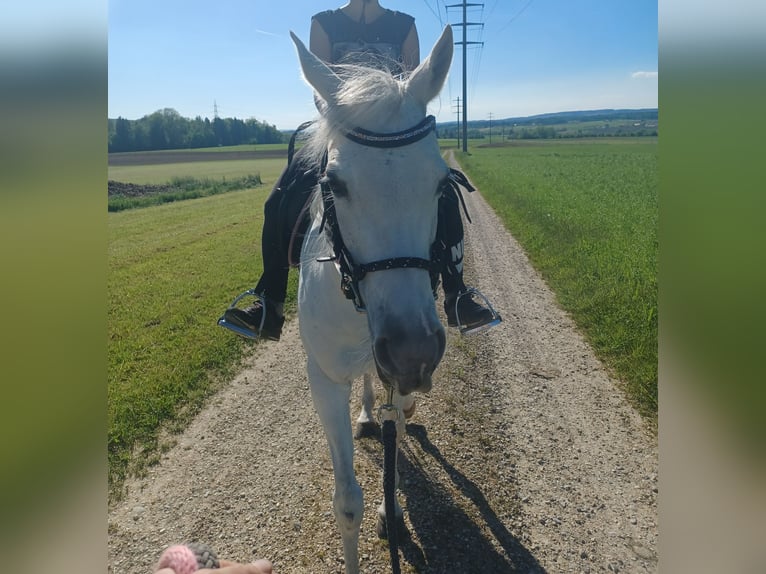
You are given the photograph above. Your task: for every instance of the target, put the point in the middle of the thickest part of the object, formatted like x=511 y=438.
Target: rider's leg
x=266 y=316
x=459 y=306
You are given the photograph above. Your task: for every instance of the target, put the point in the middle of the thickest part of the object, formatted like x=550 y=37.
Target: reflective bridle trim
x=396 y=139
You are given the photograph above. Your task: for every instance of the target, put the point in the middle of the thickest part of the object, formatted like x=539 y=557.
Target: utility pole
x=490 y=128
x=464 y=5
x=457 y=109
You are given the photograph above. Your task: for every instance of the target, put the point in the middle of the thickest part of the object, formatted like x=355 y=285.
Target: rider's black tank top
x=378 y=43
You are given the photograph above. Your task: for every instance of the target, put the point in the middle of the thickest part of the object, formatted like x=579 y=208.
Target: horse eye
x=337 y=187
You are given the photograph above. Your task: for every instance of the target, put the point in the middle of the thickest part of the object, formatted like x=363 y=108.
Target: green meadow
x=586 y=213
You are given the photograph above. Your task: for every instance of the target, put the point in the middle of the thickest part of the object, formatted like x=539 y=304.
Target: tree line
x=167 y=129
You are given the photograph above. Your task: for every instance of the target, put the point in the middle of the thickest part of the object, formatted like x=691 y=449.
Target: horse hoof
x=366 y=430
x=409 y=412
x=401 y=528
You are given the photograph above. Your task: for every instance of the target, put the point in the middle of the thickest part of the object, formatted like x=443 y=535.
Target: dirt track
x=525 y=457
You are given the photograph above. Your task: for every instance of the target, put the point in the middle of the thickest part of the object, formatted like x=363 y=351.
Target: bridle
x=351 y=272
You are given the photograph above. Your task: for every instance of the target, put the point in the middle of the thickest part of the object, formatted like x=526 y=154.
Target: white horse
x=373 y=226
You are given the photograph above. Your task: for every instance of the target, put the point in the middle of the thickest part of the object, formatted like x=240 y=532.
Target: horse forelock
x=367 y=96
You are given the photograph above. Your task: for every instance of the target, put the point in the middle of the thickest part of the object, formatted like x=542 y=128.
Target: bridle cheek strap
x=352 y=273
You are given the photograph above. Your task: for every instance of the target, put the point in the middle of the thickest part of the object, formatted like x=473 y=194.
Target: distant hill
x=574 y=124
x=565 y=117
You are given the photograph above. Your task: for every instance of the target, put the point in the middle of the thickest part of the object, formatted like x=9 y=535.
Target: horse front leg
x=365 y=424
x=331 y=402
x=403 y=405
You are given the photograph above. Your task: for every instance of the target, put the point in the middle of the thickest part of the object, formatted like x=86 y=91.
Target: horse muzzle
x=406 y=359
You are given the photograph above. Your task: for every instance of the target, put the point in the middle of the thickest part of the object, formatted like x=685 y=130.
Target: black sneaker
x=249 y=320
x=471 y=314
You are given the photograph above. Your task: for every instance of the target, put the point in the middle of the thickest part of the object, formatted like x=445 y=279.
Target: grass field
x=585 y=212
x=587 y=215
x=269 y=170
x=173 y=269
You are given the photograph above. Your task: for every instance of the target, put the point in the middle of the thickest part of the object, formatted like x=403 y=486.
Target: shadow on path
x=448 y=539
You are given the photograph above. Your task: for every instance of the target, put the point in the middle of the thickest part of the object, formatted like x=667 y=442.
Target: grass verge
x=173 y=269
x=586 y=213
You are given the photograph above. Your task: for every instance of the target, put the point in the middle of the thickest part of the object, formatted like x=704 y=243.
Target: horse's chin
x=405 y=384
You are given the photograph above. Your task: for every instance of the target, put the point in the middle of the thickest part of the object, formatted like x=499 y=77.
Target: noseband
x=352 y=273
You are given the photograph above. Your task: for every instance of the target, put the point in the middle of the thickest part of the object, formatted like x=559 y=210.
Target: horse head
x=383 y=178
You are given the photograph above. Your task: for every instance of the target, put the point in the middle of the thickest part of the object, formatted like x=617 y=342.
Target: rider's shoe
x=249 y=319
x=468 y=314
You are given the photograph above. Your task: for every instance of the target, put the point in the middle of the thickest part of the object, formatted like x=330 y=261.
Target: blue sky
x=538 y=56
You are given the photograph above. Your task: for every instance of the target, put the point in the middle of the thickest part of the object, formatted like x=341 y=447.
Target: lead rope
x=390 y=414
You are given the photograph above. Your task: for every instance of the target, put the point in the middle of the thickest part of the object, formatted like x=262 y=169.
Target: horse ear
x=316 y=72
x=427 y=80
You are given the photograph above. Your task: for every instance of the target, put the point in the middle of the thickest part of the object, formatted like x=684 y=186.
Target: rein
x=389 y=414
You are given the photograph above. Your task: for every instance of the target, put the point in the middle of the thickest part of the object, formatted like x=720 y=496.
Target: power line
x=434 y=12
x=491 y=10
x=478 y=51
x=519 y=13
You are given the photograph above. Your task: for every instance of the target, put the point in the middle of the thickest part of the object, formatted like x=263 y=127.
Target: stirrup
x=236 y=328
x=494 y=321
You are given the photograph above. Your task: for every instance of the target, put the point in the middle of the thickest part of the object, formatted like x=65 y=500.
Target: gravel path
x=525 y=457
